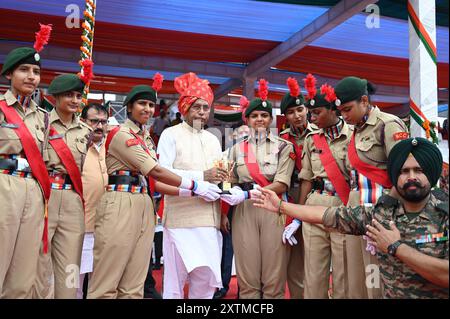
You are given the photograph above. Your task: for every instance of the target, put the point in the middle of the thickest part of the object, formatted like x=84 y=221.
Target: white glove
x=184 y=192
x=289 y=232
x=209 y=192
x=237 y=196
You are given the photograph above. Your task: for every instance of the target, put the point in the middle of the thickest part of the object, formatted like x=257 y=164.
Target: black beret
x=258 y=105
x=144 y=92
x=65 y=83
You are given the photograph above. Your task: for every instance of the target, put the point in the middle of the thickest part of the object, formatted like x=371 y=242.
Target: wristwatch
x=392 y=248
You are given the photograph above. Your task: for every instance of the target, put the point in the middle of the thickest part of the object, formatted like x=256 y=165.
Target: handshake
x=211 y=192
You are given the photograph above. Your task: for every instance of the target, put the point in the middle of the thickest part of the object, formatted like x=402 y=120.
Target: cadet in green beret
x=376 y=132
x=409 y=227
x=325 y=179
x=125 y=219
x=67 y=147
x=267 y=160
x=294 y=109
x=24 y=184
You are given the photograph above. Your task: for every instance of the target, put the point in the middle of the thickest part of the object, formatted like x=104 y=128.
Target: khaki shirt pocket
x=270 y=164
x=9 y=141
x=81 y=146
x=316 y=163
x=366 y=143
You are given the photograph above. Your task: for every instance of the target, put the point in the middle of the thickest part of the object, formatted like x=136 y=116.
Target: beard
x=414 y=195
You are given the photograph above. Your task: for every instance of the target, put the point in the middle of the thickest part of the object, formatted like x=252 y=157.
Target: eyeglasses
x=97 y=121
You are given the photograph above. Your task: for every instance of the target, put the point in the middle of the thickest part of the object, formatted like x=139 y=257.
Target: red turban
x=191 y=88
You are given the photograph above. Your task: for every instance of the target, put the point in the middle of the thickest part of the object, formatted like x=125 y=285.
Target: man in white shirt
x=192 y=242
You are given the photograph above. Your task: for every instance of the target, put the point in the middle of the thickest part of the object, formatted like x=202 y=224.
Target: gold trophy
x=226 y=165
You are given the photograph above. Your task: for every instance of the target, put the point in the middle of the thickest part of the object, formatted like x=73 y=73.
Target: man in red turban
x=192 y=242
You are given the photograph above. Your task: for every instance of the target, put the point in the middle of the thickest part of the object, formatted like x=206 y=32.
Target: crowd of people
x=352 y=195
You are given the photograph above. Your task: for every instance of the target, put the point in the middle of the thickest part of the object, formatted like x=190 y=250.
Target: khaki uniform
x=373 y=142
x=261 y=257
x=124 y=223
x=296 y=270
x=22 y=212
x=322 y=247
x=65 y=219
x=427 y=233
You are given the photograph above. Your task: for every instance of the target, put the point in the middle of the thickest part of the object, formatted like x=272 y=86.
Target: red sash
x=110 y=136
x=253 y=169
x=34 y=158
x=252 y=165
x=67 y=159
x=151 y=181
x=331 y=168
x=298 y=150
x=375 y=174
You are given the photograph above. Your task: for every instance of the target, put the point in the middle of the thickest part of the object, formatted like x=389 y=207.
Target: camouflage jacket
x=399 y=280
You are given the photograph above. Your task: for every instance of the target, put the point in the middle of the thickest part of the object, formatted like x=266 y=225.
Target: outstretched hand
x=267 y=199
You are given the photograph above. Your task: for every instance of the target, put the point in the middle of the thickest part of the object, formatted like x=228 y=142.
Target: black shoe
x=152 y=294
x=219 y=294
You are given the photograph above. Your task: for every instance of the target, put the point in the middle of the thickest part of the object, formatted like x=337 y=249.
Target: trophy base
x=225 y=187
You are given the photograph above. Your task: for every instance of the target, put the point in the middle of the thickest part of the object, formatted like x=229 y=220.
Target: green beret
x=290 y=101
x=352 y=88
x=24 y=55
x=426 y=154
x=65 y=83
x=319 y=101
x=143 y=92
x=258 y=105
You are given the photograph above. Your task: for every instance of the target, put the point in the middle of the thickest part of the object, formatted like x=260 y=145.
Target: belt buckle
x=23 y=165
x=142 y=181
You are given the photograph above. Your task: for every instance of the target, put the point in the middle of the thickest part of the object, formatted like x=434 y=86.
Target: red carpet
x=232 y=293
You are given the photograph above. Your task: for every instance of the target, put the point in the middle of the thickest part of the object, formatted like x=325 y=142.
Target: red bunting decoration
x=88 y=74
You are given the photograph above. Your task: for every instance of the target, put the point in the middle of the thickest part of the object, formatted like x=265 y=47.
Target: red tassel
x=293 y=86
x=88 y=73
x=263 y=89
x=328 y=91
x=42 y=37
x=310 y=86
x=157 y=82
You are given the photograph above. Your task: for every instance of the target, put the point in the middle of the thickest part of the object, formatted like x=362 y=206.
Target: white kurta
x=186 y=249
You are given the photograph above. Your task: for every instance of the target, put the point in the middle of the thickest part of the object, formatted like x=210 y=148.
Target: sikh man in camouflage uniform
x=409 y=227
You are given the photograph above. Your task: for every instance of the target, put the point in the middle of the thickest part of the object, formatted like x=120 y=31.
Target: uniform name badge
x=227 y=165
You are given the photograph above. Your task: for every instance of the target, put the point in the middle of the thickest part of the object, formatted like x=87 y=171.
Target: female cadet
x=294 y=109
x=125 y=219
x=66 y=149
x=325 y=178
x=267 y=160
x=24 y=183
x=375 y=134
